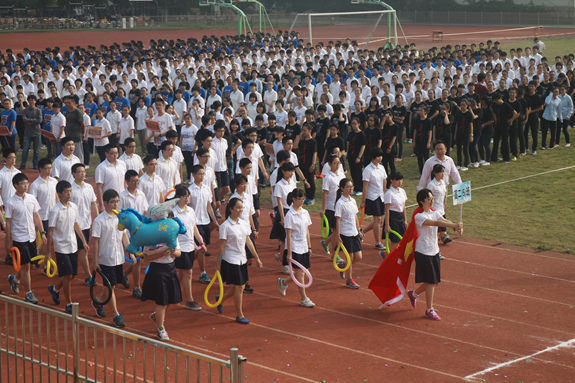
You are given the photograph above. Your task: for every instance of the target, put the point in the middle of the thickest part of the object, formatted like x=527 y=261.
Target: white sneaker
x=567 y=145
x=481 y=162
x=278 y=258
x=555 y=146
x=463 y=168
x=306 y=302
x=285 y=270
x=163 y=335
x=458 y=167
x=485 y=164
x=533 y=153
x=476 y=165
x=543 y=148
x=283 y=287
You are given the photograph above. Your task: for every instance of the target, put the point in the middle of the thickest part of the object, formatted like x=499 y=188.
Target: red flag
x=390 y=280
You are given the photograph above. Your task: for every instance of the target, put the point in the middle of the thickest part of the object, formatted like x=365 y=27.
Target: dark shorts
x=236 y=275
x=67 y=264
x=205 y=233
x=223 y=179
x=427 y=268
x=115 y=274
x=249 y=254
x=86 y=233
x=27 y=251
x=185 y=261
x=374 y=208
x=303 y=259
x=396 y=223
x=330 y=214
x=352 y=244
x=256 y=201
x=442 y=229
x=45 y=226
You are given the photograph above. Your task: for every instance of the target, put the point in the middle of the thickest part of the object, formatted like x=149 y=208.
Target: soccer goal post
x=355 y=25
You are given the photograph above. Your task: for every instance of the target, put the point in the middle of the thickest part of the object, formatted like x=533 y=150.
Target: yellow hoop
x=348 y=264
x=39 y=258
x=54 y=268
x=324 y=227
x=38 y=240
x=217 y=276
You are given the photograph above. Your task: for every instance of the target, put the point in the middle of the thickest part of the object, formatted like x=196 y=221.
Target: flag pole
x=460 y=213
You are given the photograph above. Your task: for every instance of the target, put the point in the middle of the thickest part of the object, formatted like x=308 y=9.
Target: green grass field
x=553 y=48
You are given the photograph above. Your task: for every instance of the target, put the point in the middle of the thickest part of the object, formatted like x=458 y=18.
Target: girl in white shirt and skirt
x=330 y=186
x=231 y=259
x=439 y=189
x=298 y=243
x=347 y=228
x=395 y=216
x=281 y=190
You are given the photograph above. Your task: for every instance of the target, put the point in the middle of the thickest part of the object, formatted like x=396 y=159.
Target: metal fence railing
x=40 y=344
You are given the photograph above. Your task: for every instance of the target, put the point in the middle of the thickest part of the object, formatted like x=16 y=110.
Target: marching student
x=178 y=157
x=109 y=174
x=307 y=158
x=298 y=243
x=439 y=189
x=185 y=262
x=330 y=186
x=281 y=190
x=188 y=143
x=347 y=228
x=150 y=183
x=7 y=190
x=108 y=252
x=167 y=166
x=62 y=233
x=355 y=150
x=130 y=158
x=22 y=222
x=84 y=198
x=231 y=259
x=62 y=165
x=106 y=131
x=374 y=188
x=125 y=127
x=427 y=263
x=395 y=216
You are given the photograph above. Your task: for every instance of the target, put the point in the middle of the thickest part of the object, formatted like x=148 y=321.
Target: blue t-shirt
x=47 y=119
x=7 y=118
x=227 y=91
x=107 y=106
x=91 y=109
x=120 y=102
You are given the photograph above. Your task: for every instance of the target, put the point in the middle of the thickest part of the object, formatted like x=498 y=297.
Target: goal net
x=359 y=26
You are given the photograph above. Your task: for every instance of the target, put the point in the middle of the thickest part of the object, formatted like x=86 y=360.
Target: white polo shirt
x=178 y=156
x=137 y=202
x=21 y=212
x=375 y=176
x=438 y=190
x=132 y=163
x=6 y=176
x=281 y=190
x=111 y=176
x=106 y=128
x=395 y=198
x=199 y=199
x=326 y=169
x=331 y=183
x=298 y=223
x=45 y=193
x=167 y=169
x=110 y=249
x=426 y=242
x=210 y=178
x=346 y=209
x=83 y=197
x=235 y=234
x=211 y=162
x=125 y=128
x=188 y=218
x=247 y=201
x=152 y=188
x=219 y=147
x=62 y=219
x=62 y=167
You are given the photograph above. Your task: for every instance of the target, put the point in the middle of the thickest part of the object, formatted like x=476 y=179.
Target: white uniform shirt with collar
x=346 y=209
x=137 y=202
x=6 y=185
x=375 y=176
x=110 y=247
x=450 y=170
x=62 y=219
x=167 y=169
x=45 y=193
x=211 y=161
x=235 y=234
x=114 y=120
x=248 y=204
x=438 y=190
x=21 y=212
x=298 y=223
x=199 y=198
x=426 y=242
x=111 y=176
x=210 y=178
x=152 y=188
x=330 y=183
x=83 y=197
x=188 y=218
x=106 y=128
x=132 y=163
x=281 y=190
x=396 y=199
x=326 y=169
x=125 y=128
x=220 y=147
x=62 y=167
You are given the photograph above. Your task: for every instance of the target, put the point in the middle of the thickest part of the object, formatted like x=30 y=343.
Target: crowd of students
x=236 y=111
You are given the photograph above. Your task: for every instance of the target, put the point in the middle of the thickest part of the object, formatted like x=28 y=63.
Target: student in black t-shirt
x=413 y=114
x=422 y=133
x=463 y=134
x=399 y=115
x=307 y=158
x=513 y=129
x=487 y=121
x=478 y=114
x=372 y=137
x=356 y=147
x=442 y=126
x=373 y=110
x=340 y=118
x=504 y=117
x=293 y=130
x=521 y=120
x=388 y=144
x=334 y=140
x=535 y=105
x=321 y=128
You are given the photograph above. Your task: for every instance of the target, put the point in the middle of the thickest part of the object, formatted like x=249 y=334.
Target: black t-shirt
x=421 y=130
x=132 y=95
x=414 y=109
x=486 y=117
x=362 y=119
x=292 y=131
x=307 y=148
x=372 y=137
x=523 y=103
x=399 y=112
x=463 y=124
x=432 y=107
x=341 y=124
x=473 y=96
x=518 y=107
x=477 y=122
x=231 y=142
x=388 y=133
x=337 y=141
x=355 y=142
x=533 y=102
x=321 y=128
x=262 y=136
x=504 y=94
x=41 y=104
x=455 y=100
x=386 y=112
x=502 y=114
x=442 y=129
x=377 y=112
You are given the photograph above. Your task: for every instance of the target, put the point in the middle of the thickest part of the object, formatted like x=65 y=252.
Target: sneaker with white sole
x=431 y=314
x=379 y=246
x=306 y=302
x=458 y=167
x=163 y=335
x=567 y=145
x=485 y=164
x=137 y=293
x=534 y=153
x=15 y=286
x=204 y=279
x=445 y=239
x=350 y=283
x=441 y=257
x=481 y=162
x=463 y=168
x=283 y=287
x=285 y=270
x=412 y=298
x=325 y=247
x=278 y=258
x=192 y=305
x=30 y=298
x=100 y=313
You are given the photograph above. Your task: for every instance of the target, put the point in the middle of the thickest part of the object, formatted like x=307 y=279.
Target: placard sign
x=462 y=193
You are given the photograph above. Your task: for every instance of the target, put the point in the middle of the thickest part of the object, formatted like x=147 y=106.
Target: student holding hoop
x=330 y=186
x=395 y=216
x=347 y=227
x=231 y=258
x=298 y=243
x=374 y=188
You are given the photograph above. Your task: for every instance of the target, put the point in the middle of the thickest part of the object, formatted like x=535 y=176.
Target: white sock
x=56 y=291
x=203 y=273
x=16 y=280
x=29 y=292
x=415 y=295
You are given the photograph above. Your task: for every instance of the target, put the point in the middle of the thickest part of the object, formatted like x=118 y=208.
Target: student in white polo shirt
x=62 y=165
x=374 y=177
x=150 y=183
x=62 y=233
x=108 y=252
x=7 y=190
x=109 y=174
x=22 y=222
x=167 y=166
x=395 y=215
x=130 y=158
x=178 y=156
x=85 y=199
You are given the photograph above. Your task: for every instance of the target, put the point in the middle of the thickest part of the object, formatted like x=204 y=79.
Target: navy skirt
x=236 y=275
x=278 y=231
x=161 y=284
x=396 y=223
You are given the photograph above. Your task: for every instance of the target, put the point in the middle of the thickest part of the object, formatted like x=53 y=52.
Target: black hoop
x=106 y=282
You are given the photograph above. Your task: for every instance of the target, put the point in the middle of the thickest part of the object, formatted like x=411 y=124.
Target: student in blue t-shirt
x=121 y=99
x=8 y=119
x=90 y=105
x=47 y=114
